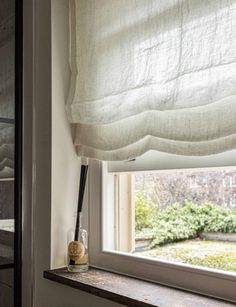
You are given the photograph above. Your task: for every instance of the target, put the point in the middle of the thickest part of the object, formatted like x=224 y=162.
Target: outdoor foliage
x=179 y=222
x=145 y=212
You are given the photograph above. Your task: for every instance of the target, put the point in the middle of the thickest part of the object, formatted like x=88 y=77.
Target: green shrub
x=180 y=222
x=145 y=212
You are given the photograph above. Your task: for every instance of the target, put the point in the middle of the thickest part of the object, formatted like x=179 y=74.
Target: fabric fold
x=152 y=75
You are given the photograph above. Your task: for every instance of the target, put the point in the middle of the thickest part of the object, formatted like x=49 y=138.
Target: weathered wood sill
x=130 y=291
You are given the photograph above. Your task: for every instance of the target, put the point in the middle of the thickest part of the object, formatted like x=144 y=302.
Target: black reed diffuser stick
x=83 y=177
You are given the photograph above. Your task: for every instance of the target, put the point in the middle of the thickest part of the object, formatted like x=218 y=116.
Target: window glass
x=183 y=216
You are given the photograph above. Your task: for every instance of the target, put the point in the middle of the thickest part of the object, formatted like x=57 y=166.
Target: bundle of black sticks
x=83 y=177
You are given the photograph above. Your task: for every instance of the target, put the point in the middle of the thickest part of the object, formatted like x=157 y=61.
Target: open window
x=146 y=220
x=153 y=83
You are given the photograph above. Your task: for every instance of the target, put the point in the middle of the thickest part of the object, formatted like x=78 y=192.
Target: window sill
x=129 y=291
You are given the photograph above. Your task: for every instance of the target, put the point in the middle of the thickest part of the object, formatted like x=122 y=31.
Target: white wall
x=50 y=185
x=65 y=162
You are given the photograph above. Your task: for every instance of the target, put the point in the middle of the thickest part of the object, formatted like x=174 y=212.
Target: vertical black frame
x=18 y=152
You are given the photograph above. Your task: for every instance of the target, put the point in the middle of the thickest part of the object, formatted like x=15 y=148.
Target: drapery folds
x=152 y=75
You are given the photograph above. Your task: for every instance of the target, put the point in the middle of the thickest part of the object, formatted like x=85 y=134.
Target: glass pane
x=179 y=216
x=187 y=217
x=7 y=111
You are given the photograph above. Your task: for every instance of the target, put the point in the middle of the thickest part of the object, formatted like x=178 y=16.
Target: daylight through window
x=184 y=216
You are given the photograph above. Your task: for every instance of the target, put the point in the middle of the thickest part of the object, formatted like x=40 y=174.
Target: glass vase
x=78 y=247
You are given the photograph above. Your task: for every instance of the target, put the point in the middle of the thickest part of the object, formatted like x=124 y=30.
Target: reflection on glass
x=7 y=110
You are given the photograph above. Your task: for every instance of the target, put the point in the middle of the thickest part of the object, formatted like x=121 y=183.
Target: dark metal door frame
x=18 y=152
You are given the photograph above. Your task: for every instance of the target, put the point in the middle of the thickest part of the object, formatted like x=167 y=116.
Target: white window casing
x=207 y=281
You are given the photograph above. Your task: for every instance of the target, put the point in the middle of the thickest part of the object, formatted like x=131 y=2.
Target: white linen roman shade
x=152 y=75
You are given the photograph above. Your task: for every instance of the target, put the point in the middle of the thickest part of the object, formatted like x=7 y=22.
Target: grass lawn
x=212 y=254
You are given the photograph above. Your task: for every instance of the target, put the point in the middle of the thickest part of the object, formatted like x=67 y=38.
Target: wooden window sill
x=130 y=291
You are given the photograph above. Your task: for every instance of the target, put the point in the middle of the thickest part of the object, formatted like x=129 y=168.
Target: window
x=233 y=180
x=224 y=199
x=224 y=182
x=113 y=241
x=233 y=201
x=160 y=216
x=145 y=83
x=193 y=182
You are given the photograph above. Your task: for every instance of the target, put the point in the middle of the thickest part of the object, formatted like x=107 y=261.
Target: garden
x=180 y=233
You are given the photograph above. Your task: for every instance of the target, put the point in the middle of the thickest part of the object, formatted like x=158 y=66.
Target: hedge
x=179 y=222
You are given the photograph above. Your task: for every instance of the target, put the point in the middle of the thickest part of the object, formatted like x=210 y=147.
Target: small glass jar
x=78 y=247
